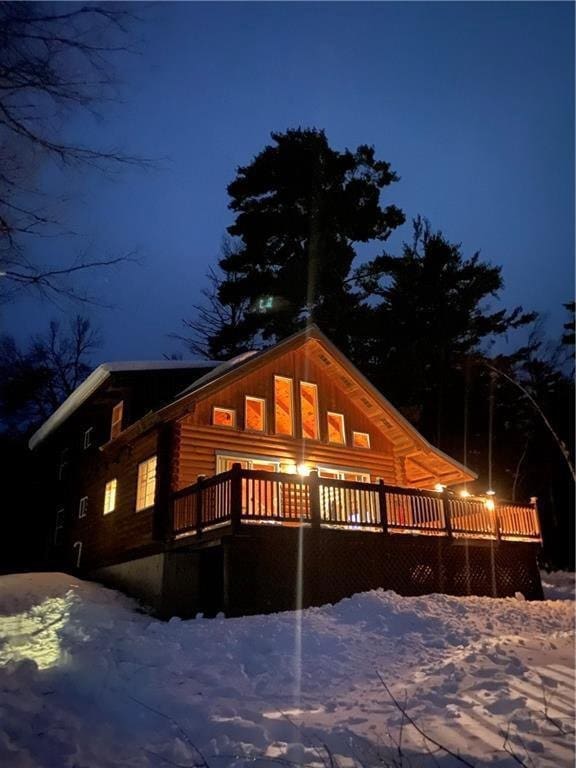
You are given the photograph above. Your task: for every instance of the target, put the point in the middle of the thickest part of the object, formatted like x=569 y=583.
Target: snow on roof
x=97 y=378
x=219 y=370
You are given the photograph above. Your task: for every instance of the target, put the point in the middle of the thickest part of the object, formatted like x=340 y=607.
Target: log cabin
x=278 y=479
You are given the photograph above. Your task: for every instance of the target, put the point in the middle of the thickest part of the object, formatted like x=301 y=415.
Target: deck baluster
x=447 y=511
x=236 y=497
x=314 y=491
x=382 y=501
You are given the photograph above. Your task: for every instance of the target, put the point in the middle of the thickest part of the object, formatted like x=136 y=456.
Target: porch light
x=464 y=494
x=303 y=470
x=489 y=503
x=439 y=487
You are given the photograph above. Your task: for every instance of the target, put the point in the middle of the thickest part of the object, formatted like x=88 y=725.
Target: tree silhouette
x=301 y=207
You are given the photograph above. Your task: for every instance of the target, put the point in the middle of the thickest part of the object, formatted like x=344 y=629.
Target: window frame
x=59 y=521
x=361 y=447
x=87 y=442
x=262 y=401
x=116 y=422
x=291 y=382
x=223 y=409
x=113 y=484
x=342 y=420
x=83 y=507
x=316 y=409
x=146 y=482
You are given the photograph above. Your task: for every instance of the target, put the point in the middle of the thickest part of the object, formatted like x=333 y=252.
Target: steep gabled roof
x=95 y=380
x=419 y=455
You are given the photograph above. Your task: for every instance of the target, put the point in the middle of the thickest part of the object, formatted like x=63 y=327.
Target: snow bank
x=558 y=585
x=87 y=680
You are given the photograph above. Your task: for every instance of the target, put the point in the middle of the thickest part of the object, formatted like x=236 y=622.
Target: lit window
x=83 y=507
x=110 y=497
x=146 y=484
x=336 y=433
x=309 y=410
x=117 y=413
x=255 y=414
x=224 y=417
x=283 y=421
x=360 y=439
x=88 y=438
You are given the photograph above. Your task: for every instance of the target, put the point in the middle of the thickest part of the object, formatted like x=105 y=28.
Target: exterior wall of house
x=197 y=440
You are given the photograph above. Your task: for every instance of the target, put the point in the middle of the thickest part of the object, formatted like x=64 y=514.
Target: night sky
x=471 y=103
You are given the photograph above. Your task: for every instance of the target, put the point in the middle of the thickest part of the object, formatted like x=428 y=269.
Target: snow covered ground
x=86 y=680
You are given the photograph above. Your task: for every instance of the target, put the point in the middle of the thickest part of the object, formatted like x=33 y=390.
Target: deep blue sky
x=472 y=103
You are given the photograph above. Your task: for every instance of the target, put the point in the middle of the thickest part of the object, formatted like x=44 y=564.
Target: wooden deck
x=246 y=497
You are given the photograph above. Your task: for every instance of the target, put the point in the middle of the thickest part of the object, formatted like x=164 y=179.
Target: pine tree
x=301 y=207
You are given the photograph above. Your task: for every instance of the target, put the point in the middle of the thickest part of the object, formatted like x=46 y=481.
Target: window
x=339 y=473
x=309 y=410
x=223 y=417
x=59 y=527
x=63 y=463
x=83 y=507
x=146 y=489
x=283 y=410
x=88 y=438
x=255 y=414
x=336 y=432
x=226 y=462
x=360 y=439
x=110 y=497
x=116 y=426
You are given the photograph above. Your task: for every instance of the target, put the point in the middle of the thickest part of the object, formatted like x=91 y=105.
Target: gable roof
x=95 y=380
x=419 y=455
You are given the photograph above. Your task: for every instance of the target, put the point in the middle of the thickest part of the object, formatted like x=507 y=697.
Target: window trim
x=59 y=520
x=262 y=401
x=248 y=458
x=361 y=447
x=112 y=494
x=82 y=507
x=138 y=483
x=316 y=410
x=291 y=381
x=116 y=422
x=342 y=419
x=224 y=410
x=87 y=442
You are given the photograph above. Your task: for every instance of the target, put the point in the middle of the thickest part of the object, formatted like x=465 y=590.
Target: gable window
x=336 y=431
x=309 y=410
x=146 y=489
x=83 y=507
x=360 y=439
x=59 y=527
x=88 y=438
x=110 y=496
x=283 y=406
x=223 y=417
x=255 y=414
x=116 y=425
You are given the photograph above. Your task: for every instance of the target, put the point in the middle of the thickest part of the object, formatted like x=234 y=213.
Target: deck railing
x=242 y=496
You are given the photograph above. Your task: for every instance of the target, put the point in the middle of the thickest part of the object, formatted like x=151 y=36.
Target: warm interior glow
x=283 y=422
x=336 y=433
x=309 y=410
x=360 y=439
x=116 y=425
x=255 y=414
x=110 y=497
x=146 y=490
x=223 y=417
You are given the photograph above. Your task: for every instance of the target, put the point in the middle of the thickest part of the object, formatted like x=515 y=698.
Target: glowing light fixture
x=490 y=493
x=439 y=487
x=464 y=494
x=303 y=470
x=489 y=504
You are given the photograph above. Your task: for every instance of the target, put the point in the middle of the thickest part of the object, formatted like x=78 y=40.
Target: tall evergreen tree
x=433 y=314
x=301 y=207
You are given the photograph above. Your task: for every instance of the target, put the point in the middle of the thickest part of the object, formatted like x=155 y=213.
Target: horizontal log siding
x=197 y=442
x=107 y=538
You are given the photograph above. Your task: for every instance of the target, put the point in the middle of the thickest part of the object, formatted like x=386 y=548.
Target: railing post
x=497 y=526
x=314 y=491
x=199 y=500
x=383 y=509
x=236 y=497
x=447 y=513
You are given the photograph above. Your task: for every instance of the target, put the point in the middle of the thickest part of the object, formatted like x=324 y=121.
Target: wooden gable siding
x=197 y=441
x=107 y=538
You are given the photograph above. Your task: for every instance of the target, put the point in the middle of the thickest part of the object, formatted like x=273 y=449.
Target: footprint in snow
x=506 y=706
